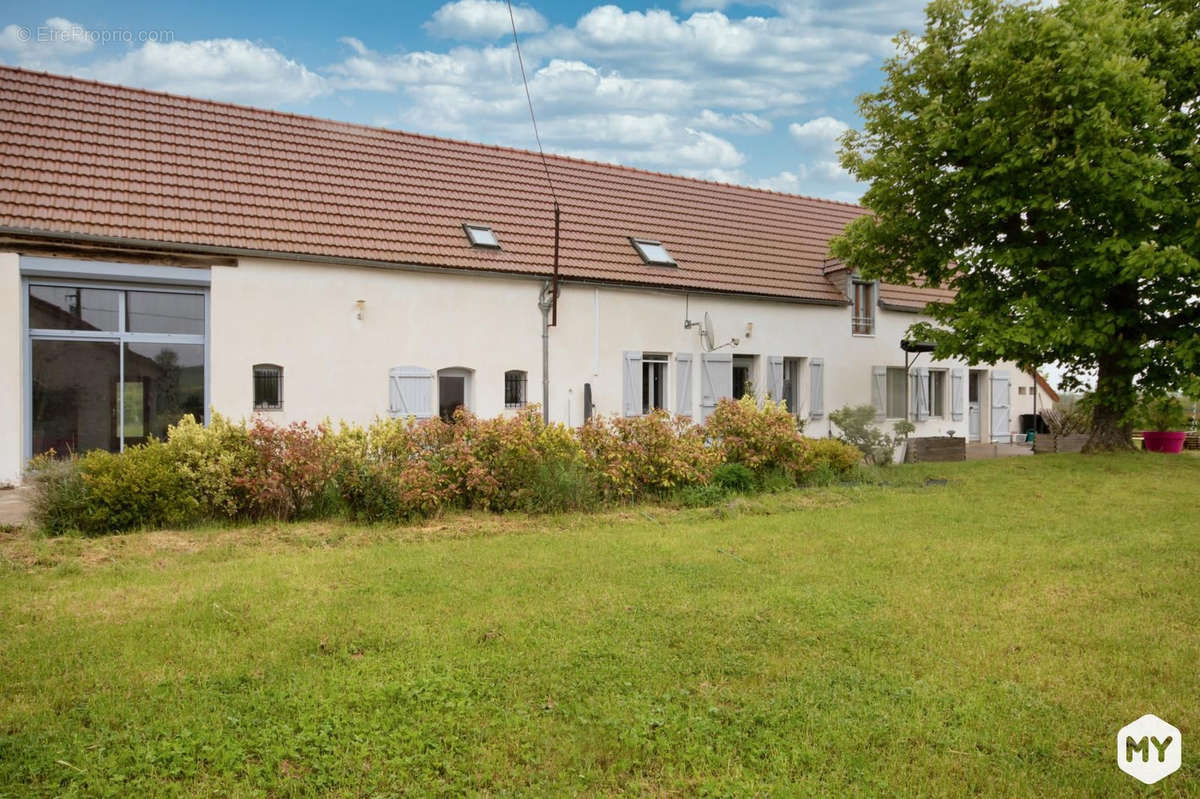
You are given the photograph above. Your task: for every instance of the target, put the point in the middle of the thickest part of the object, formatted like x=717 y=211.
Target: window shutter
x=716 y=380
x=956 y=394
x=410 y=392
x=631 y=403
x=683 y=384
x=816 y=373
x=922 y=393
x=775 y=377
x=1000 y=418
x=879 y=390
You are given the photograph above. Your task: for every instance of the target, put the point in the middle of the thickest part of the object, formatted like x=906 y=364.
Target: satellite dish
x=707 y=331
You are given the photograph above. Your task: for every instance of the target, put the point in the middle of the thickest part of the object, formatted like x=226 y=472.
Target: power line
x=529 y=99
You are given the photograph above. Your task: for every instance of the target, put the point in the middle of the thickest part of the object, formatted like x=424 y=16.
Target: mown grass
x=985 y=636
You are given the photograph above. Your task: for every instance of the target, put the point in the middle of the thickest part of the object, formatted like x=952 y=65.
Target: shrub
x=631 y=456
x=858 y=429
x=839 y=457
x=58 y=502
x=734 y=477
x=561 y=485
x=216 y=461
x=140 y=487
x=292 y=471
x=1161 y=414
x=758 y=438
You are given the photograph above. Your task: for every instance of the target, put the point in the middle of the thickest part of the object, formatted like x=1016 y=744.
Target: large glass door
x=110 y=367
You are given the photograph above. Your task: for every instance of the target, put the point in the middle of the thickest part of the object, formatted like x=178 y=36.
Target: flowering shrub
x=760 y=439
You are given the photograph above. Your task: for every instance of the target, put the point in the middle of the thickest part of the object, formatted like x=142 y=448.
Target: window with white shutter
x=631 y=384
x=683 y=383
x=816 y=402
x=410 y=392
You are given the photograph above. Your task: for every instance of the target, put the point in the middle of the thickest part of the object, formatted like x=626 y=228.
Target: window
x=863 y=321
x=514 y=389
x=791 y=384
x=653 y=252
x=654 y=381
x=895 y=392
x=482 y=236
x=111 y=366
x=937 y=392
x=268 y=387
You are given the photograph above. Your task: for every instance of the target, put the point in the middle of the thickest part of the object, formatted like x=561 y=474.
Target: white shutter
x=410 y=392
x=1000 y=420
x=683 y=383
x=879 y=390
x=957 y=384
x=631 y=380
x=716 y=380
x=816 y=400
x=775 y=377
x=922 y=393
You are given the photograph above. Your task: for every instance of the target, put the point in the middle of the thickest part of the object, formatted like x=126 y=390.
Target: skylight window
x=482 y=236
x=653 y=252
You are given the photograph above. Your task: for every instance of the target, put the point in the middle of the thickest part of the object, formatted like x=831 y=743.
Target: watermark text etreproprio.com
x=77 y=34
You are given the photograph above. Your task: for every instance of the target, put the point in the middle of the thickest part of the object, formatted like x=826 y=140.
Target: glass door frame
x=121 y=337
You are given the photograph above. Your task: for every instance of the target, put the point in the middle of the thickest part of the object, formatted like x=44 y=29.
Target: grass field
x=987 y=636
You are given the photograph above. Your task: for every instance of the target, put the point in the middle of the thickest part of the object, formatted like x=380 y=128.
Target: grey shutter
x=716 y=380
x=816 y=400
x=631 y=380
x=879 y=390
x=683 y=384
x=956 y=394
x=775 y=377
x=922 y=393
x=1000 y=418
x=410 y=392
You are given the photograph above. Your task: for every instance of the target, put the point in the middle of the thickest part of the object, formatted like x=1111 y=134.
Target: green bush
x=734 y=477
x=216 y=461
x=837 y=456
x=58 y=501
x=758 y=438
x=561 y=485
x=857 y=424
x=140 y=487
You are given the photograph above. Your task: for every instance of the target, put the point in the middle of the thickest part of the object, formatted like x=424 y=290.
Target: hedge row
x=403 y=470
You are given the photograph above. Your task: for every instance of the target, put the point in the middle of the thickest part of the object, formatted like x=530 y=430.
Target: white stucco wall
x=12 y=394
x=304 y=317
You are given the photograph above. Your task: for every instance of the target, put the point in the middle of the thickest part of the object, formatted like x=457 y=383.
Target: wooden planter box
x=928 y=449
x=1044 y=444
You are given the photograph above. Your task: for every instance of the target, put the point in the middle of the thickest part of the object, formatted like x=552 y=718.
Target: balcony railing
x=862 y=325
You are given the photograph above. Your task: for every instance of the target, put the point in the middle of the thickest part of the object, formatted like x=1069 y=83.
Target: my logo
x=1149 y=749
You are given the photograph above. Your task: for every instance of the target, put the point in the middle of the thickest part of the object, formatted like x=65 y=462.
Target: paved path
x=14 y=505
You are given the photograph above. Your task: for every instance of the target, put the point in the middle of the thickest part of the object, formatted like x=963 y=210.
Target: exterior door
x=973 y=409
x=1000 y=408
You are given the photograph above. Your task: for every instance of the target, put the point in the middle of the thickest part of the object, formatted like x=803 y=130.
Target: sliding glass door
x=110 y=366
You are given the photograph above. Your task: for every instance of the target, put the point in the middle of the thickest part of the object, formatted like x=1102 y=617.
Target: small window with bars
x=863 y=321
x=514 y=389
x=268 y=387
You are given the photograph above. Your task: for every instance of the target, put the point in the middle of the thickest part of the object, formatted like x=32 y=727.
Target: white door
x=1000 y=408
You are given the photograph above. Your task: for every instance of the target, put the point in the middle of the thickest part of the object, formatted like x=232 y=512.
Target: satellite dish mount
x=707 y=337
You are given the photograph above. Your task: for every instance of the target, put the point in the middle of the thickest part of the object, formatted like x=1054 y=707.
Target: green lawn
x=986 y=636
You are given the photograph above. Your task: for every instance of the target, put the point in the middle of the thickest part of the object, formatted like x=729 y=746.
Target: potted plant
x=1164 y=424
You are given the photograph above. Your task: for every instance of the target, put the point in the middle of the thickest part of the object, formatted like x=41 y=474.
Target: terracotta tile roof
x=911 y=298
x=89 y=159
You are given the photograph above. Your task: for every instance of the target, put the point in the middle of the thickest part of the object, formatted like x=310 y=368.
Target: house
x=161 y=255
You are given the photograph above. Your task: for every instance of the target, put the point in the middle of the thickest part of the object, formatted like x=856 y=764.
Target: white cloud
x=745 y=122
x=46 y=46
x=228 y=69
x=819 y=132
x=482 y=19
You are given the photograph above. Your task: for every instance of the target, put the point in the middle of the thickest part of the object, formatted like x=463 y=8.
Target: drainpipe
x=544 y=305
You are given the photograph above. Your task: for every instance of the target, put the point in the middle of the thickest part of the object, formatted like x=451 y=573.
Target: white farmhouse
x=161 y=255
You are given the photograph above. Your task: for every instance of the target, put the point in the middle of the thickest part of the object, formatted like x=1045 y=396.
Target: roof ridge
x=429 y=137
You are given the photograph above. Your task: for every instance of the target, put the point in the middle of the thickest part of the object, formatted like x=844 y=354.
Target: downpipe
x=545 y=303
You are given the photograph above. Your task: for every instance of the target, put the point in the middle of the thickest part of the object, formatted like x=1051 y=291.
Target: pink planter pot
x=1169 y=443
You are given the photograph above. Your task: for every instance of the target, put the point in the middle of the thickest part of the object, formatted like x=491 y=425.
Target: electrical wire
x=529 y=99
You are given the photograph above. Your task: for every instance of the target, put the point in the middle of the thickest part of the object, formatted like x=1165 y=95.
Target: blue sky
x=754 y=94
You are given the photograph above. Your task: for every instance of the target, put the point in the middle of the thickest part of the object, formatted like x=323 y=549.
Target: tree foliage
x=1044 y=162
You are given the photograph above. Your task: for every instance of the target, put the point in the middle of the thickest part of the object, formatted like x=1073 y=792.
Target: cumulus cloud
x=819 y=132
x=744 y=122
x=228 y=69
x=46 y=46
x=482 y=19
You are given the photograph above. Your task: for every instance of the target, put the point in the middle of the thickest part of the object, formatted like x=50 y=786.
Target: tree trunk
x=1114 y=399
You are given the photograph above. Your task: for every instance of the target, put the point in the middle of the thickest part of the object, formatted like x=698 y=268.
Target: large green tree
x=1044 y=162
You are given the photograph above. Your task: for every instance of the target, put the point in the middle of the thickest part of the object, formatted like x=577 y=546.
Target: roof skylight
x=653 y=252
x=482 y=236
